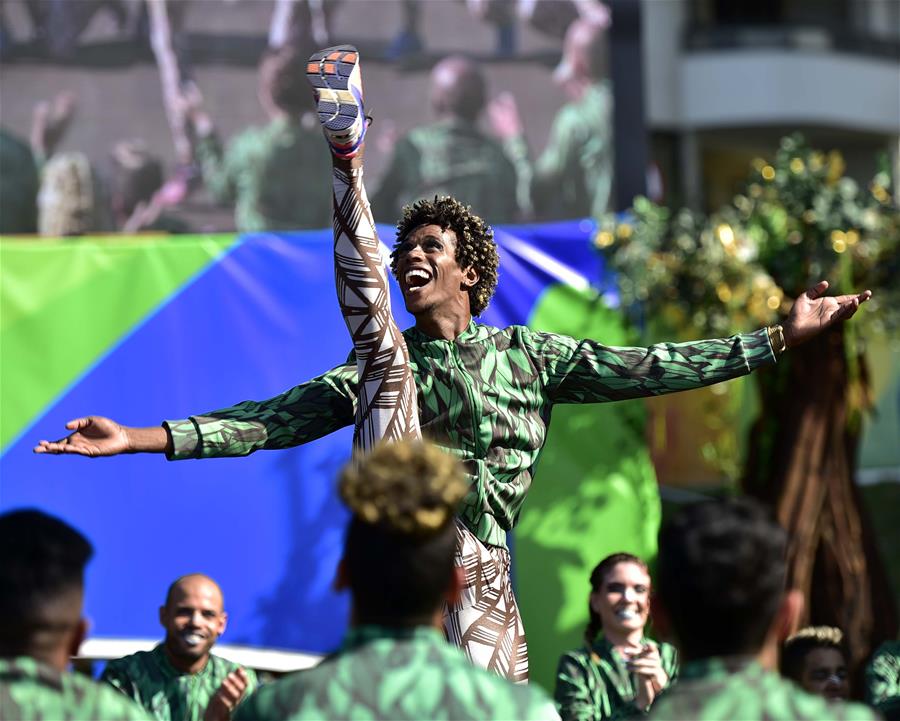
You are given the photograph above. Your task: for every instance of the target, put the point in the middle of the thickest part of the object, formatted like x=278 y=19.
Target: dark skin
x=441 y=306
x=65 y=630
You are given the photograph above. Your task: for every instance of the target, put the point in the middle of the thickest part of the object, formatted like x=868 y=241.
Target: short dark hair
x=721 y=576
x=458 y=88
x=598 y=575
x=795 y=650
x=475 y=246
x=401 y=541
x=282 y=76
x=41 y=558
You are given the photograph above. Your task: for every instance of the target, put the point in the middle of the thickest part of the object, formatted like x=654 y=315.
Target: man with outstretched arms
x=483 y=393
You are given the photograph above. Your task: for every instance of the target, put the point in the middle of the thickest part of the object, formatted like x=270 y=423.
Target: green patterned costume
x=32 y=691
x=395 y=674
x=169 y=695
x=883 y=680
x=273 y=174
x=486 y=397
x=592 y=683
x=450 y=157
x=720 y=689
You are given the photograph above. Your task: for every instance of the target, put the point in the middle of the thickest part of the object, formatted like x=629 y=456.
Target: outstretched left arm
x=812 y=313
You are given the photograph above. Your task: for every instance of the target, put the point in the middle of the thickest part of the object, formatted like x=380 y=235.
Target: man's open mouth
x=416 y=279
x=192 y=639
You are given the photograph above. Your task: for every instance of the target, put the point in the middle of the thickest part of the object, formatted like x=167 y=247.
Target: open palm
x=91 y=436
x=812 y=312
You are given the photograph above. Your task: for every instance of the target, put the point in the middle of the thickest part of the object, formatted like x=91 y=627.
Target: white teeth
x=626 y=614
x=192 y=639
x=417 y=274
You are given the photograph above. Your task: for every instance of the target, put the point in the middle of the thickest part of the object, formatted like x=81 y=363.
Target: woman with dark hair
x=618 y=672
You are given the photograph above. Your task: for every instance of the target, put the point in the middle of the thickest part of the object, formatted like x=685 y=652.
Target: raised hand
x=812 y=312
x=91 y=436
x=49 y=122
x=227 y=696
x=503 y=114
x=650 y=676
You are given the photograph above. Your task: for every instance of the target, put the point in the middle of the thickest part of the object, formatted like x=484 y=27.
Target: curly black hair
x=475 y=246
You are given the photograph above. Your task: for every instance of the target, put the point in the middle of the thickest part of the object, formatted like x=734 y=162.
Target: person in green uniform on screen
x=815 y=658
x=398 y=564
x=451 y=156
x=180 y=678
x=271 y=173
x=573 y=176
x=42 y=562
x=485 y=394
x=618 y=672
x=723 y=599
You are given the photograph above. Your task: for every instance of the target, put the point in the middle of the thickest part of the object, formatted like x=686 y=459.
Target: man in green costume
x=572 y=177
x=485 y=394
x=271 y=173
x=180 y=678
x=721 y=576
x=451 y=156
x=398 y=564
x=42 y=562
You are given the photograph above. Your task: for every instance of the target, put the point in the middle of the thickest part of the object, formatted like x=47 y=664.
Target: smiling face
x=825 y=673
x=429 y=276
x=623 y=599
x=193 y=618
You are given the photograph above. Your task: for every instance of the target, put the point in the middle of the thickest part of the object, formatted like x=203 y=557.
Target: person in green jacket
x=573 y=176
x=180 y=677
x=485 y=394
x=618 y=672
x=723 y=599
x=398 y=564
x=451 y=156
x=42 y=562
x=271 y=173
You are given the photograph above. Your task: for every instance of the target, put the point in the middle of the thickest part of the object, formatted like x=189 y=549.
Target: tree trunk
x=801 y=461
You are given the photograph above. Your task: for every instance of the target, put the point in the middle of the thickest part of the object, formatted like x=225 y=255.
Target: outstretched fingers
x=66 y=445
x=849 y=304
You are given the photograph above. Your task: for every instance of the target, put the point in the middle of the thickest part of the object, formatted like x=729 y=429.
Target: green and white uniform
x=720 y=689
x=33 y=691
x=593 y=683
x=149 y=678
x=397 y=674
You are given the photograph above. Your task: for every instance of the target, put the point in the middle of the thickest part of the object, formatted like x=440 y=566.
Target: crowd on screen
x=274 y=176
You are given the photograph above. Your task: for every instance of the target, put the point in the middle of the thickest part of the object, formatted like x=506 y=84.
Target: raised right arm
x=299 y=415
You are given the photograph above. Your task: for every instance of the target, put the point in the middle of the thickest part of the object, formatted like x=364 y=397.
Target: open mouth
x=192 y=639
x=416 y=279
x=626 y=614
